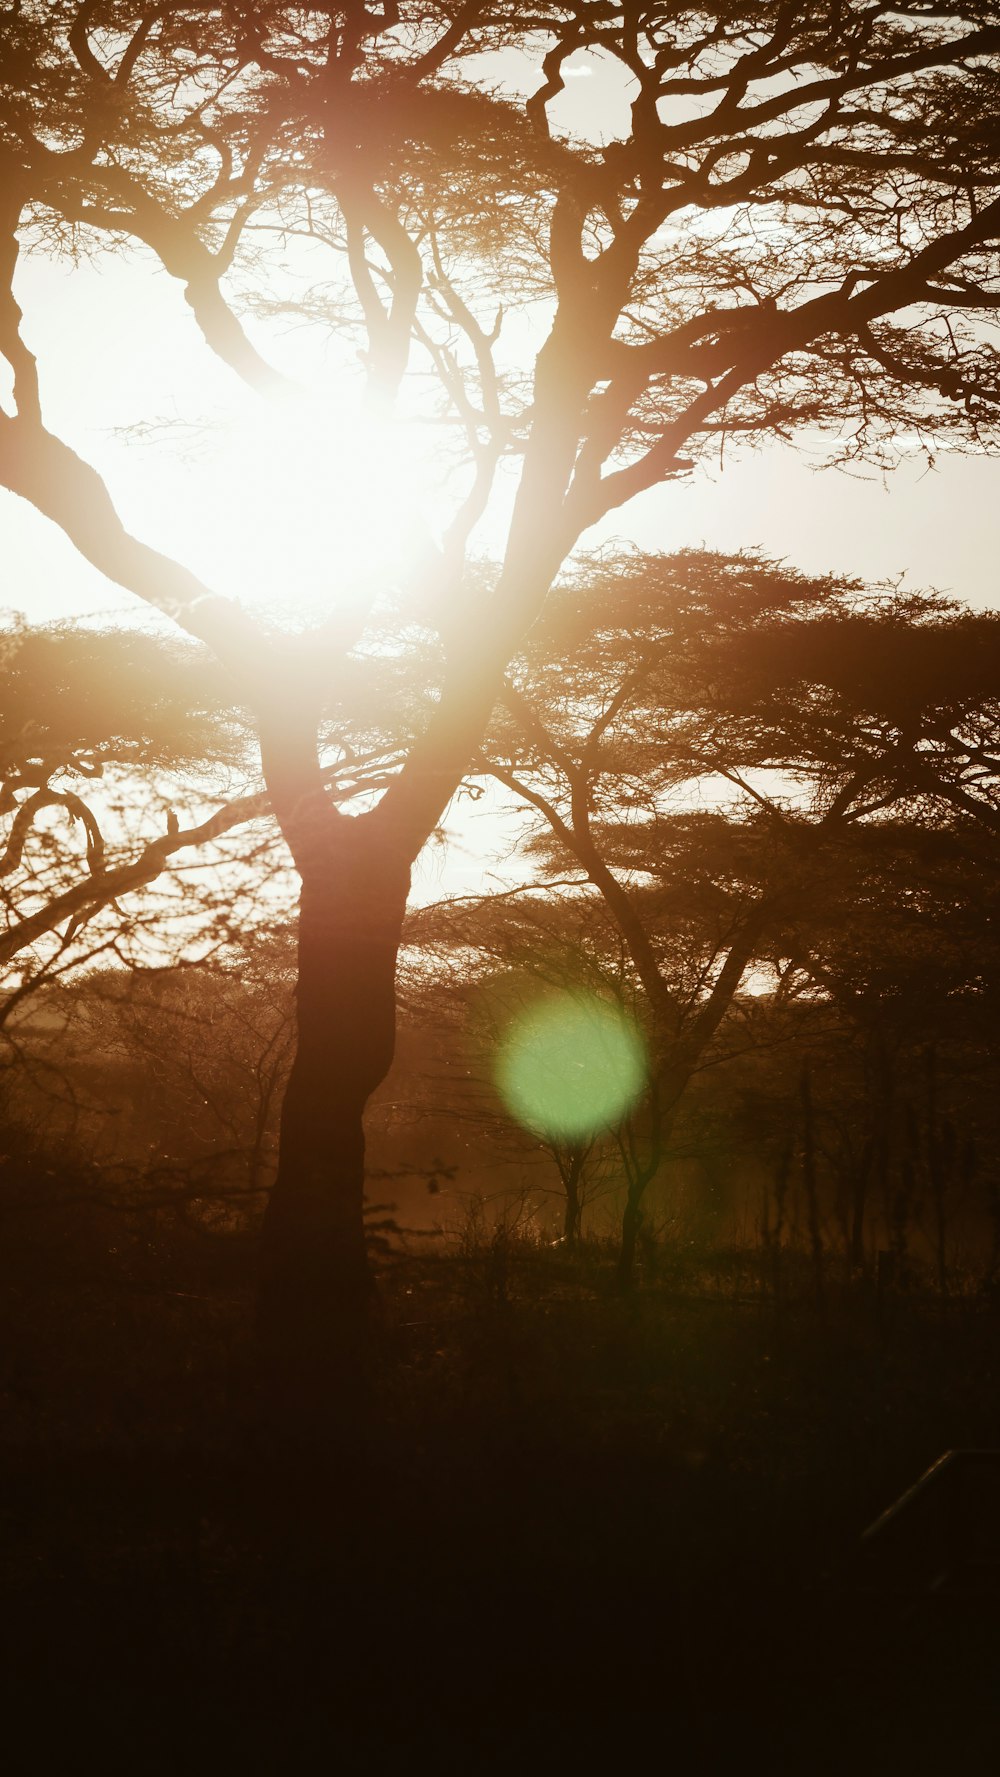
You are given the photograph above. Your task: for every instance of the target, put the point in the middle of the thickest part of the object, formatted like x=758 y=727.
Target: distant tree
x=121 y=755
x=835 y=845
x=900 y=930
x=796 y=227
x=202 y=1053
x=102 y=738
x=900 y=941
x=522 y=948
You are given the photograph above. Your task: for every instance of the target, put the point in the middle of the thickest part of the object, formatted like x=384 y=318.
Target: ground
x=576 y=1531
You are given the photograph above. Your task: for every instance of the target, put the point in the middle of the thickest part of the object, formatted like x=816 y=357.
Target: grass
x=577 y=1520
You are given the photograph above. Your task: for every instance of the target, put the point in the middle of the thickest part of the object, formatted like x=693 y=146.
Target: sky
x=266 y=508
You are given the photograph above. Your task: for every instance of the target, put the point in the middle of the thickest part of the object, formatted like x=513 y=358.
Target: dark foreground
x=577 y=1532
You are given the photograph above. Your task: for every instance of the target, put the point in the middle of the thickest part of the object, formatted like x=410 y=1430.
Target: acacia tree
x=900 y=933
x=519 y=947
x=797 y=227
x=125 y=763
x=749 y=765
x=102 y=738
x=210 y=1044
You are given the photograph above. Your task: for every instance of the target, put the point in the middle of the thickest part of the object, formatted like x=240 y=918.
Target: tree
x=102 y=738
x=653 y=688
x=899 y=939
x=797 y=228
x=205 y=1051
x=532 y=949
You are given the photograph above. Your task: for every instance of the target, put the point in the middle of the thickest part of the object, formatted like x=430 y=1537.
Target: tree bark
x=810 y=1184
x=574 y=1208
x=316 y=1299
x=631 y=1223
x=640 y=1170
x=859 y=1204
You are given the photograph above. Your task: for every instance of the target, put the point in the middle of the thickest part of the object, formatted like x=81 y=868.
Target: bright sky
x=268 y=509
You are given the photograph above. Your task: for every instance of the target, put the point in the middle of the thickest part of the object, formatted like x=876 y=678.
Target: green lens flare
x=570 y=1066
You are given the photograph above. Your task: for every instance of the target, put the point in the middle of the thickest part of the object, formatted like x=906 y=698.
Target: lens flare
x=570 y=1066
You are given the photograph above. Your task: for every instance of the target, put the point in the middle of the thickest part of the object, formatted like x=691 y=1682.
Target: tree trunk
x=665 y=1093
x=859 y=1203
x=940 y=1150
x=316 y=1291
x=571 y=1176
x=631 y=1223
x=571 y=1219
x=810 y=1184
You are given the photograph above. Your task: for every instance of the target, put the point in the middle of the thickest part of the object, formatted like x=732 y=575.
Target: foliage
x=723 y=751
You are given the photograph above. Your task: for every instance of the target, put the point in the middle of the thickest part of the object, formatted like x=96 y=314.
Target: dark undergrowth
x=576 y=1530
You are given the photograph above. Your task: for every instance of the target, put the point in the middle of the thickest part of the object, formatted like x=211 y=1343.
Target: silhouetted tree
x=521 y=948
x=797 y=226
x=652 y=682
x=102 y=738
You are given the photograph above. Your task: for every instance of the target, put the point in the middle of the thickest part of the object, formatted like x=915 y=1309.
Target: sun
x=298 y=505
